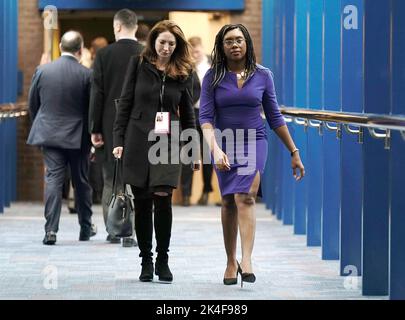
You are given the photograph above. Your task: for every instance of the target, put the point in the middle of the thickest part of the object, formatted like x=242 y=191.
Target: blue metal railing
x=8 y=152
x=388 y=132
x=346 y=55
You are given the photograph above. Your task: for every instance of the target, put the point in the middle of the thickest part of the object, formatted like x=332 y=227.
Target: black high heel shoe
x=231 y=281
x=245 y=276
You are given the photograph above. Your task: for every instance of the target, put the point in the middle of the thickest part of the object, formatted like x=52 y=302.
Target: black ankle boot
x=147 y=270
x=163 y=271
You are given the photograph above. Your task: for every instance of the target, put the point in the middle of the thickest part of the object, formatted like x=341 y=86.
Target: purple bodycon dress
x=239 y=111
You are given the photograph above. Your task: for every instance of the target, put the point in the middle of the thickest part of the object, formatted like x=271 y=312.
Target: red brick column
x=251 y=17
x=30 y=170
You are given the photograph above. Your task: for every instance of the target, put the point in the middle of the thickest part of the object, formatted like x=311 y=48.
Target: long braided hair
x=218 y=57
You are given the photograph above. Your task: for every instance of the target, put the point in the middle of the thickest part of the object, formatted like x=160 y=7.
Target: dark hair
x=142 y=31
x=218 y=55
x=127 y=18
x=72 y=42
x=180 y=64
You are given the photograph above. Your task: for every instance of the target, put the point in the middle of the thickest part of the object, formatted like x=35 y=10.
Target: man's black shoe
x=112 y=239
x=203 y=199
x=129 y=242
x=186 y=201
x=147 y=272
x=84 y=237
x=72 y=210
x=162 y=270
x=50 y=238
x=93 y=230
x=85 y=234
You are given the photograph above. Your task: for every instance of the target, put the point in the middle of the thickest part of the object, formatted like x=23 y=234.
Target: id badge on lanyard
x=162 y=119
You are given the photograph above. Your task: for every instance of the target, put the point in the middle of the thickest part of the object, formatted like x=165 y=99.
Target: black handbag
x=120 y=219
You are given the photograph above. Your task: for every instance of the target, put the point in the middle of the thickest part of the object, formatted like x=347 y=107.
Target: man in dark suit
x=59 y=103
x=110 y=67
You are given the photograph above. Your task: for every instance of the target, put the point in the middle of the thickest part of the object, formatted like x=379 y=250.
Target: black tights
x=144 y=202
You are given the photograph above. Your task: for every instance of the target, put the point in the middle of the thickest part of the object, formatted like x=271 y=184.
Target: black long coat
x=110 y=67
x=135 y=119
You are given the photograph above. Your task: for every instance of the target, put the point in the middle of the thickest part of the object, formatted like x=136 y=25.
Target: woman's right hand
x=117 y=152
x=221 y=160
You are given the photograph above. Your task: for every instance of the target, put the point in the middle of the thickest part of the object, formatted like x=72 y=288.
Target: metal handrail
x=13 y=110
x=347 y=120
x=358 y=119
x=386 y=136
x=359 y=132
x=337 y=128
x=316 y=124
x=288 y=119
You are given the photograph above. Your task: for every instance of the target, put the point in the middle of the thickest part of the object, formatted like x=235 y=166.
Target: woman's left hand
x=296 y=163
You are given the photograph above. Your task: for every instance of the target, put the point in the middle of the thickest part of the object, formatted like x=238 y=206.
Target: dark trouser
x=96 y=180
x=187 y=171
x=56 y=161
x=144 y=200
x=108 y=175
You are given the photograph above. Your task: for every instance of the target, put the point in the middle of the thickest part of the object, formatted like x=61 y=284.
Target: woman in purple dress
x=234 y=91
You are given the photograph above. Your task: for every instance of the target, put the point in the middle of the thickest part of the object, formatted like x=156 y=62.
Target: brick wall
x=251 y=17
x=30 y=44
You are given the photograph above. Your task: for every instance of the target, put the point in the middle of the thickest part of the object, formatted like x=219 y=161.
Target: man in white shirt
x=202 y=66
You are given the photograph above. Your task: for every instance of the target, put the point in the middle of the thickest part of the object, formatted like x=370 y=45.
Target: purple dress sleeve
x=207 y=104
x=270 y=105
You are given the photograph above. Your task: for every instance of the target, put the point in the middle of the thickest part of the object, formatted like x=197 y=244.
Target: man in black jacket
x=110 y=67
x=59 y=103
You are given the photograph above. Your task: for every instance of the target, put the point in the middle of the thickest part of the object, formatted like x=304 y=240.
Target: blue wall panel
x=273 y=169
x=375 y=157
x=397 y=223
x=397 y=241
x=6 y=172
x=331 y=145
x=8 y=93
x=314 y=140
x=2 y=167
x=268 y=60
x=348 y=55
x=278 y=82
x=288 y=99
x=278 y=162
x=2 y=87
x=351 y=156
x=13 y=79
x=301 y=101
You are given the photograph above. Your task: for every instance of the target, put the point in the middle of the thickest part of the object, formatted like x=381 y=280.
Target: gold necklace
x=241 y=75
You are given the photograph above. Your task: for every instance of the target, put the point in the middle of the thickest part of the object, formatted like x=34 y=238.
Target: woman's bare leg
x=229 y=217
x=247 y=222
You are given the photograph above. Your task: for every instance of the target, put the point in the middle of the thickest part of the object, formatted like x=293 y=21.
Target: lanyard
x=162 y=91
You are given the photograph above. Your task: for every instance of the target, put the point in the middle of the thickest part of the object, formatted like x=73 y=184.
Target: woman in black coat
x=160 y=80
